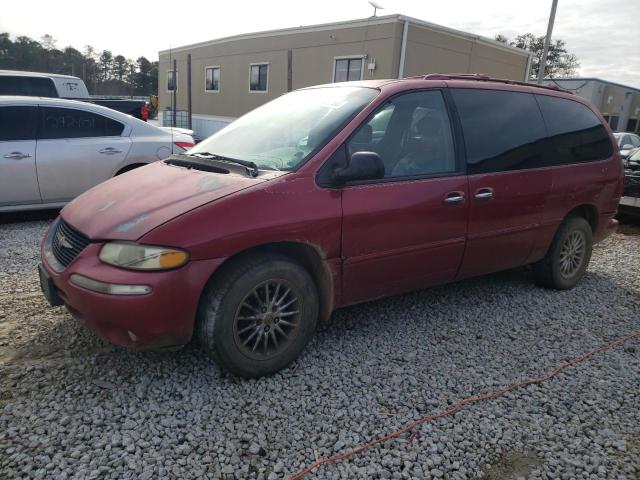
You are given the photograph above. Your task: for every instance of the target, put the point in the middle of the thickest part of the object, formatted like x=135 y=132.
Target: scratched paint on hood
x=125 y=227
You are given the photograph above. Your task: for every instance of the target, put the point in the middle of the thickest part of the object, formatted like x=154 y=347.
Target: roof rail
x=479 y=77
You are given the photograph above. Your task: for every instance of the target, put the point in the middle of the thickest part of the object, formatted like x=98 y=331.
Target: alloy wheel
x=572 y=254
x=267 y=319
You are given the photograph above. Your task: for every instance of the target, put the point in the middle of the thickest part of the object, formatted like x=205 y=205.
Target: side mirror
x=362 y=166
x=628 y=146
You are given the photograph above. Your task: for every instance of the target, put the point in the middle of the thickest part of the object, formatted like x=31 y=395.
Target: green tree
x=119 y=67
x=102 y=73
x=147 y=77
x=48 y=42
x=560 y=62
x=105 y=66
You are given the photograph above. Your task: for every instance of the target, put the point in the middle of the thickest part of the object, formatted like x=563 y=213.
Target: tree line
x=103 y=72
x=560 y=63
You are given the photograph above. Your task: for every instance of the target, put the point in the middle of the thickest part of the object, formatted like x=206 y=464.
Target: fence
x=181 y=116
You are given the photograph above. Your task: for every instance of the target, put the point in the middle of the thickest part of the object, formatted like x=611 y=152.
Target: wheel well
x=128 y=168
x=588 y=212
x=306 y=256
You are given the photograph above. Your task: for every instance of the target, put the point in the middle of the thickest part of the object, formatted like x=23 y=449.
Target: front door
x=407 y=230
x=77 y=149
x=504 y=137
x=18 y=177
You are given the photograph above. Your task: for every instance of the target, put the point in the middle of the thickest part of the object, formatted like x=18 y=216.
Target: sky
x=604 y=34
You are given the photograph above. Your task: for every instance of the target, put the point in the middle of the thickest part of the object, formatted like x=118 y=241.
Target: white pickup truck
x=35 y=84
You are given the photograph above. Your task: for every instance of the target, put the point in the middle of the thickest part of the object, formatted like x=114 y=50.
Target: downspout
x=403 y=48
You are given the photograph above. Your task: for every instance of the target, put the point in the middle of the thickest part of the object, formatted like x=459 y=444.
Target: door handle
x=109 y=151
x=485 y=193
x=17 y=155
x=454 y=198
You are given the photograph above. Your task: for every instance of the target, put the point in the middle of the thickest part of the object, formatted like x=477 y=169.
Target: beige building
x=619 y=104
x=231 y=76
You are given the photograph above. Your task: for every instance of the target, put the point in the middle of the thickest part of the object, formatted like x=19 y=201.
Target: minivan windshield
x=284 y=133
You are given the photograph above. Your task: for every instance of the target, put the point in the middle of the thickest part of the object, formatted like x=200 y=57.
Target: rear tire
x=258 y=316
x=568 y=257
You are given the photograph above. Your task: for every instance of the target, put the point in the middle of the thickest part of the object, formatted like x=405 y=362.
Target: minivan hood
x=130 y=205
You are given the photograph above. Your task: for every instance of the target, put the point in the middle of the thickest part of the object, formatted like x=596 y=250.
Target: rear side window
x=502 y=130
x=18 y=123
x=28 y=86
x=69 y=123
x=576 y=133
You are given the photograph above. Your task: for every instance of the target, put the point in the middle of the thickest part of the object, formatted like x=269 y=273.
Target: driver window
x=412 y=135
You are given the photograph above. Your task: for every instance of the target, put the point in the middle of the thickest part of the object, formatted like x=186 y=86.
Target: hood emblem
x=62 y=241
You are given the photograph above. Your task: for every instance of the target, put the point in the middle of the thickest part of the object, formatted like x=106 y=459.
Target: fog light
x=108 y=288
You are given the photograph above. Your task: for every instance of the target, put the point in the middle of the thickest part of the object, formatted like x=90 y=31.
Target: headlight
x=142 y=257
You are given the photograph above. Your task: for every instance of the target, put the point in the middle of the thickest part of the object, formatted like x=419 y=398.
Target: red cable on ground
x=467 y=401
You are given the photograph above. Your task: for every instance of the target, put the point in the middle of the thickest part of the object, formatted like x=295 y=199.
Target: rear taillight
x=184 y=145
x=144 y=113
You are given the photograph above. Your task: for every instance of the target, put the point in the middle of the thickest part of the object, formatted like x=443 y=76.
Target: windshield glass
x=283 y=133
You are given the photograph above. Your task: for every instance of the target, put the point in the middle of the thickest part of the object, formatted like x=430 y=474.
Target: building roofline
x=591 y=79
x=346 y=24
x=467 y=35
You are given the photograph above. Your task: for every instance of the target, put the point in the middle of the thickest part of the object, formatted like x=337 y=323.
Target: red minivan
x=330 y=196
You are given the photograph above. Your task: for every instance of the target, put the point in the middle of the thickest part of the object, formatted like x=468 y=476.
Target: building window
x=258 y=77
x=212 y=79
x=172 y=82
x=347 y=69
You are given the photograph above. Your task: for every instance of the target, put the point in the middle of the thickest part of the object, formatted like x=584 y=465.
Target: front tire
x=568 y=257
x=259 y=315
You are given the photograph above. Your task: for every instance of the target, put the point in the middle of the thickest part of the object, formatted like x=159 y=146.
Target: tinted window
x=412 y=135
x=576 y=132
x=29 y=86
x=212 y=79
x=502 y=130
x=68 y=123
x=18 y=123
x=348 y=69
x=258 y=78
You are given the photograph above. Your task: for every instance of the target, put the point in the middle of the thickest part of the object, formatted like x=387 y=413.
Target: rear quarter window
x=502 y=130
x=28 y=86
x=576 y=134
x=71 y=123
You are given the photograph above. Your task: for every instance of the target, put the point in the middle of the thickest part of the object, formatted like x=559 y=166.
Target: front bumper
x=163 y=318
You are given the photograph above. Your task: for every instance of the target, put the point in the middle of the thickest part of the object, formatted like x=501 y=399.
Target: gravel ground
x=72 y=406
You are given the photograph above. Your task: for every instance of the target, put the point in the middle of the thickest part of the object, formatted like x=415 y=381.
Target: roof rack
x=479 y=77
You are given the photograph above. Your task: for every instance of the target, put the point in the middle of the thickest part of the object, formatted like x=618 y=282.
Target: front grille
x=67 y=243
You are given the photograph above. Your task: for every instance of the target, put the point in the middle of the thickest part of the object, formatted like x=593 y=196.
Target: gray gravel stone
x=73 y=406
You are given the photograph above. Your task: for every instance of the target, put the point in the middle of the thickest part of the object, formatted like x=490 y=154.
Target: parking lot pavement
x=72 y=406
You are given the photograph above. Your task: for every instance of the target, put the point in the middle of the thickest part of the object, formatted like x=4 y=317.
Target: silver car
x=627 y=142
x=52 y=149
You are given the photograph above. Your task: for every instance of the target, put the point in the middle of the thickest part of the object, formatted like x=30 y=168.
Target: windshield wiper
x=251 y=167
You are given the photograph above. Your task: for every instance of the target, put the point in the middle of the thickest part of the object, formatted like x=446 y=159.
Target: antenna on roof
x=375 y=6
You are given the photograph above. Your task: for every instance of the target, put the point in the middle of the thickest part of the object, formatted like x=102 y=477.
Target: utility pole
x=175 y=92
x=189 y=110
x=131 y=82
x=547 y=41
